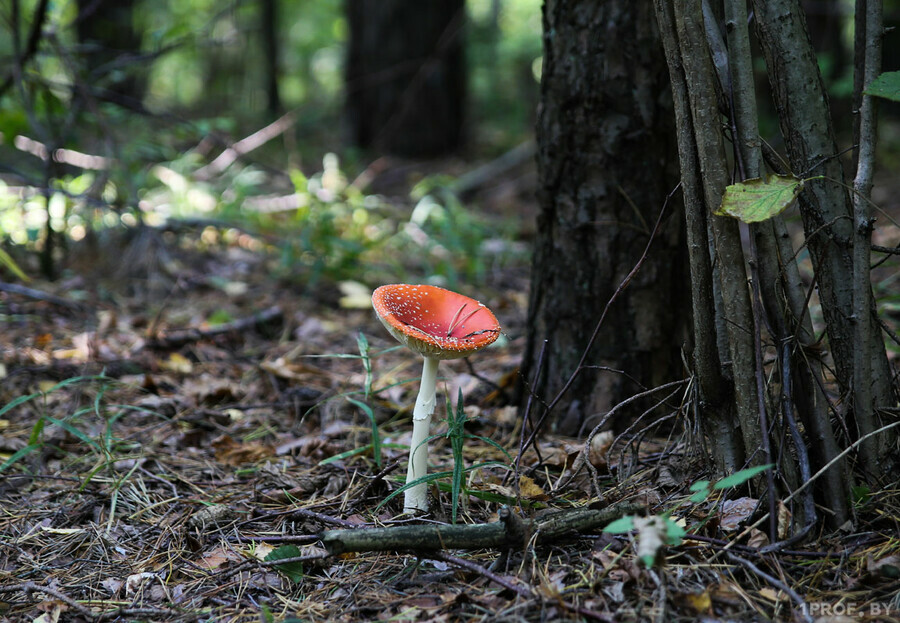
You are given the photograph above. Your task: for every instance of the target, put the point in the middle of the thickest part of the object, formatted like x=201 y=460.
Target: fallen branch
x=39 y=295
x=510 y=531
x=179 y=338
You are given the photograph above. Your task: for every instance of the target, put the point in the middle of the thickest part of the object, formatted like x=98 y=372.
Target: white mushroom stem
x=416 y=499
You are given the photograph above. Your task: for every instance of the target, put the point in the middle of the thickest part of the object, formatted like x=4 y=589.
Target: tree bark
x=605 y=162
x=268 y=25
x=728 y=254
x=807 y=128
x=405 y=76
x=716 y=392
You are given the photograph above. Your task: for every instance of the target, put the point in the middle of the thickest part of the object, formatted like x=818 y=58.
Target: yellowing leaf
x=701 y=602
x=261 y=550
x=177 y=363
x=756 y=200
x=772 y=595
x=61 y=530
x=355 y=295
x=530 y=490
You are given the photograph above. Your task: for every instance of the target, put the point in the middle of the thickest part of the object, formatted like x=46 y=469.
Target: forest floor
x=162 y=466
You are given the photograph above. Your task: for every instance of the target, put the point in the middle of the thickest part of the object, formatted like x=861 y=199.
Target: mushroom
x=439 y=324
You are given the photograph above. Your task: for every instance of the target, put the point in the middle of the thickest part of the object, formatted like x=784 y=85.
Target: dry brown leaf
x=232 y=452
x=735 y=512
x=530 y=490
x=293 y=370
x=52 y=611
x=784 y=521
x=757 y=538
x=261 y=550
x=599 y=450
x=113 y=585
x=773 y=595
x=212 y=390
x=216 y=558
x=889 y=566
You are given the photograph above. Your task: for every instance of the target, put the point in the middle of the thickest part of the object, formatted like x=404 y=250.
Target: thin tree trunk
x=863 y=404
x=808 y=132
x=729 y=256
x=716 y=391
x=269 y=29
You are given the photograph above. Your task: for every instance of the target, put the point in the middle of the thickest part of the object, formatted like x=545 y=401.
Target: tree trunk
x=268 y=25
x=606 y=161
x=106 y=31
x=825 y=206
x=405 y=76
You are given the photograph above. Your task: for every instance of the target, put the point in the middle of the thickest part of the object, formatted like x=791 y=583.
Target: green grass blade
x=376 y=436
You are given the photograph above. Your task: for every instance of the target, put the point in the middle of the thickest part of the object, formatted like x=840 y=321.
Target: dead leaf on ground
x=217 y=557
x=735 y=512
x=600 y=445
x=294 y=370
x=698 y=602
x=235 y=453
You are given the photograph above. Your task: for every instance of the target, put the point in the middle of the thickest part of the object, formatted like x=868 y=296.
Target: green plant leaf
x=7 y=260
x=436 y=476
x=887 y=85
x=699 y=497
x=18 y=454
x=860 y=494
x=293 y=570
x=623 y=524
x=739 y=478
x=376 y=437
x=756 y=200
x=674 y=532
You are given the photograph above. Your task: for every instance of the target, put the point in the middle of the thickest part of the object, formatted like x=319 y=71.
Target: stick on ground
x=500 y=534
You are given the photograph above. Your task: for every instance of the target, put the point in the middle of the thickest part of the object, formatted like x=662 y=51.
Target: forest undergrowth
x=178 y=457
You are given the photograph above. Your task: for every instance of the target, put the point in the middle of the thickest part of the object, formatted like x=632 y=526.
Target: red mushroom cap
x=434 y=321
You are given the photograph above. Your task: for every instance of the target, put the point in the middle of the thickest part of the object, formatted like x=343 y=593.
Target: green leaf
x=701 y=491
x=376 y=437
x=293 y=570
x=436 y=476
x=860 y=494
x=756 y=200
x=7 y=260
x=674 y=532
x=887 y=85
x=18 y=455
x=741 y=477
x=623 y=524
